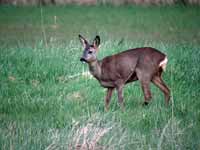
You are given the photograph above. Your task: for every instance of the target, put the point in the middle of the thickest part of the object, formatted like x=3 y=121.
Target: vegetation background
x=49 y=101
x=94 y=2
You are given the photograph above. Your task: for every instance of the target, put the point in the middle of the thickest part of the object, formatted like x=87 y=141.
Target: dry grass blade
x=87 y=137
x=162 y=135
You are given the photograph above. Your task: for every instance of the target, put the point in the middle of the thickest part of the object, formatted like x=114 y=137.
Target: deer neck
x=95 y=68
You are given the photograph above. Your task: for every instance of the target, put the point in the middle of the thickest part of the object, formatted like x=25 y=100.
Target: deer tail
x=163 y=64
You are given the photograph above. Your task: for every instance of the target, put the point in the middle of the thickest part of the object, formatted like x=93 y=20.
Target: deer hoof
x=145 y=103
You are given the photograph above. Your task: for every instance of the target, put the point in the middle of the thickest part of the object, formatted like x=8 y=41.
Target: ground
x=48 y=101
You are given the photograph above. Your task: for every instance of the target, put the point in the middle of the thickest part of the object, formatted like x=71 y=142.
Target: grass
x=44 y=107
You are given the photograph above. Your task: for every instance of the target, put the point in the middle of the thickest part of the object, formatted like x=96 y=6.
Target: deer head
x=90 y=50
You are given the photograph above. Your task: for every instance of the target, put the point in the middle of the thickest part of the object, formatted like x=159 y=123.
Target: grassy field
x=44 y=106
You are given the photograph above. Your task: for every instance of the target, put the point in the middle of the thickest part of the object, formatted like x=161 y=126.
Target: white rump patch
x=163 y=64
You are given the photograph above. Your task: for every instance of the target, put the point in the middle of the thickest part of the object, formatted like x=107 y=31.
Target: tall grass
x=47 y=103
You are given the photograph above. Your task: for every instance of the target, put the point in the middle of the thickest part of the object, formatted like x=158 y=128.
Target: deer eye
x=90 y=52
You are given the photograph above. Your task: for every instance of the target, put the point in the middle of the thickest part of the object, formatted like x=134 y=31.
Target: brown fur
x=113 y=72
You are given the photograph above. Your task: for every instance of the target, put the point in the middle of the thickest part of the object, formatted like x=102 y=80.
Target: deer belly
x=132 y=78
x=107 y=84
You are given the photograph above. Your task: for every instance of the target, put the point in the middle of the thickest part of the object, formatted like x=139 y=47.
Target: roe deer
x=145 y=64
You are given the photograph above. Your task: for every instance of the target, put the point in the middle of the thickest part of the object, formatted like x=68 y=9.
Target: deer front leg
x=108 y=97
x=120 y=96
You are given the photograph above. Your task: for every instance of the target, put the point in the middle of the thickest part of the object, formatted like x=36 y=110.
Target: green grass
x=42 y=107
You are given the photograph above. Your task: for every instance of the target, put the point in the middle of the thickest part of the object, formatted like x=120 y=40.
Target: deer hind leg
x=145 y=84
x=108 y=97
x=147 y=92
x=120 y=96
x=157 y=80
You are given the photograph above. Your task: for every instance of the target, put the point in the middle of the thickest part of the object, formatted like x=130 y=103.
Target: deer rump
x=131 y=65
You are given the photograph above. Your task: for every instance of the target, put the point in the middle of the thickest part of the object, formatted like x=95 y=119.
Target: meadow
x=47 y=101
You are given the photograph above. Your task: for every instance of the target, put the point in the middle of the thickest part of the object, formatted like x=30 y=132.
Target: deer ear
x=96 y=41
x=83 y=41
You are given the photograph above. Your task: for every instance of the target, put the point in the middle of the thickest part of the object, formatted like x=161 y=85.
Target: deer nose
x=82 y=59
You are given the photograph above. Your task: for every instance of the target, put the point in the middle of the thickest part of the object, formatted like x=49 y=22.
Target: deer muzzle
x=83 y=60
